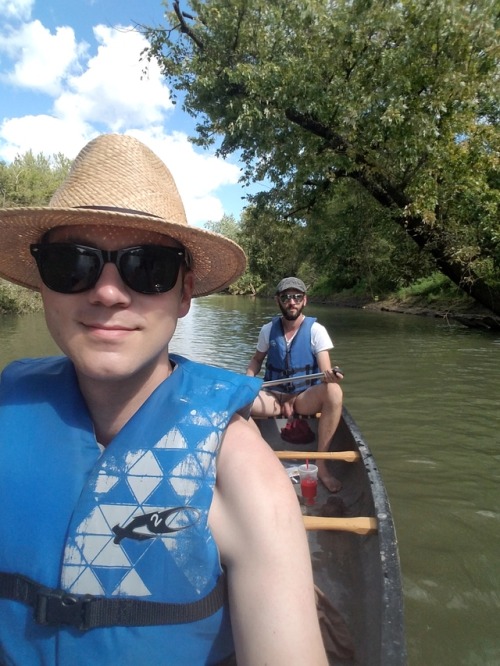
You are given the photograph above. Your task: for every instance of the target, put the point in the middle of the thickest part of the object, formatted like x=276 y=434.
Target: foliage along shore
x=15 y=300
x=469 y=314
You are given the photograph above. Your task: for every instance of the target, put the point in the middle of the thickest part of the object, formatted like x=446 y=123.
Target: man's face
x=291 y=303
x=111 y=332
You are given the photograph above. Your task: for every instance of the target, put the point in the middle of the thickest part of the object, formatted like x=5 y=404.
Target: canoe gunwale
x=393 y=644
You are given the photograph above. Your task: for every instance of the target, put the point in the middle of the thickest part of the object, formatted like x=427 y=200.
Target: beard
x=289 y=315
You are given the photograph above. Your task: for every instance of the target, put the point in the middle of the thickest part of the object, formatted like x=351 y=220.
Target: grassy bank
x=18 y=300
x=435 y=294
x=432 y=297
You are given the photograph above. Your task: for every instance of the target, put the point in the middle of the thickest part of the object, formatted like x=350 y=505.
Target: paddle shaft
x=358 y=525
x=291 y=380
x=346 y=456
x=300 y=378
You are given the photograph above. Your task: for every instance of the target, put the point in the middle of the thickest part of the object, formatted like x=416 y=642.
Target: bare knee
x=333 y=394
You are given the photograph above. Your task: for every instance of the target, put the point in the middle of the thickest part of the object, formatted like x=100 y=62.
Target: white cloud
x=96 y=88
x=45 y=59
x=109 y=94
x=113 y=90
x=16 y=9
x=42 y=134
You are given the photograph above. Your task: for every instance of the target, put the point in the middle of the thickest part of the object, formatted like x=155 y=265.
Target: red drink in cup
x=309 y=489
x=308 y=482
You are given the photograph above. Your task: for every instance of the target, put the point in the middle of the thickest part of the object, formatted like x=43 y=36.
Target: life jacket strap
x=84 y=611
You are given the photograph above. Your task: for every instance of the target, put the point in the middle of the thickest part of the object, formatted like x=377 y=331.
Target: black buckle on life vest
x=56 y=607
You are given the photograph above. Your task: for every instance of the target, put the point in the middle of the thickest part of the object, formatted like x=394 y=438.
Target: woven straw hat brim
x=117 y=181
x=217 y=261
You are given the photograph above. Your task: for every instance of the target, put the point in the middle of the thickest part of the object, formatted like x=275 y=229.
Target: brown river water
x=425 y=393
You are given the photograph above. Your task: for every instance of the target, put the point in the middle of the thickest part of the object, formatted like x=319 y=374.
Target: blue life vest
x=293 y=362
x=128 y=523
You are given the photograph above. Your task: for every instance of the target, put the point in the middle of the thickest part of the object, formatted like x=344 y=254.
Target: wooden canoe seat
x=346 y=456
x=358 y=524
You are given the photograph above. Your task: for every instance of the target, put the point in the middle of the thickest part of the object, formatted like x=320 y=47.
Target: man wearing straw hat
x=127 y=534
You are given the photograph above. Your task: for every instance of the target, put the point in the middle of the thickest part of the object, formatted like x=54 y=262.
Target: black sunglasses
x=69 y=268
x=298 y=298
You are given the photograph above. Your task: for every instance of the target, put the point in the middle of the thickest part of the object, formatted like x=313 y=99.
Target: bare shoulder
x=253 y=496
x=244 y=445
x=257 y=524
x=247 y=464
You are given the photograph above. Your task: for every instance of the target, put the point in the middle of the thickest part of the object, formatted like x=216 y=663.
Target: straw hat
x=117 y=181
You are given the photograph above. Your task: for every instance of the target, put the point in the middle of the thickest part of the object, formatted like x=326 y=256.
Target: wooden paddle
x=358 y=525
x=346 y=456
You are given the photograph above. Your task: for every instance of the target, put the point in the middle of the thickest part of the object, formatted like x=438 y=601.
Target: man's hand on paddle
x=333 y=375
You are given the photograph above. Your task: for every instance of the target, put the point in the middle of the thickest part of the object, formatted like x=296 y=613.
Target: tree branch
x=184 y=27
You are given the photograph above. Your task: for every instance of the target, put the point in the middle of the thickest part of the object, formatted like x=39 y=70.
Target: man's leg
x=327 y=399
x=270 y=404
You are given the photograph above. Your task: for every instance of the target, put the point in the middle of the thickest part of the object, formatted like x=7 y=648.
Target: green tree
x=227 y=226
x=249 y=282
x=274 y=245
x=357 y=247
x=400 y=97
x=30 y=180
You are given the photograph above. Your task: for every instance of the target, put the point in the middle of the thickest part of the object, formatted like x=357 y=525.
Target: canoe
x=353 y=548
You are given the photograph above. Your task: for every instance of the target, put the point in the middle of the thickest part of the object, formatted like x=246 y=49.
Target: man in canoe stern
x=127 y=475
x=296 y=345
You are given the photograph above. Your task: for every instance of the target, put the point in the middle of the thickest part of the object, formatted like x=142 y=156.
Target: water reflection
x=216 y=331
x=25 y=336
x=425 y=394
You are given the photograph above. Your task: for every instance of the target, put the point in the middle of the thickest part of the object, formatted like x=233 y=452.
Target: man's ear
x=186 y=293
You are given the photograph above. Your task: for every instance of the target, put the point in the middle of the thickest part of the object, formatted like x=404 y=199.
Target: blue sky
x=70 y=69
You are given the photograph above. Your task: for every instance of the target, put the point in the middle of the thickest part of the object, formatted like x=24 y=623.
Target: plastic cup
x=308 y=482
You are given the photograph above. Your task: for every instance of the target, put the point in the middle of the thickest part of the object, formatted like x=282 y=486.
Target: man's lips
x=109 y=329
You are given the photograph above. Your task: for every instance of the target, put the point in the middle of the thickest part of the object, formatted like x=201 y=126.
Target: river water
x=425 y=393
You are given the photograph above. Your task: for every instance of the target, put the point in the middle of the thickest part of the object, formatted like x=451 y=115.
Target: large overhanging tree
x=401 y=98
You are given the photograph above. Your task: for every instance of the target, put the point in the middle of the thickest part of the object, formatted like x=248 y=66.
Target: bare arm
x=257 y=524
x=325 y=365
x=256 y=363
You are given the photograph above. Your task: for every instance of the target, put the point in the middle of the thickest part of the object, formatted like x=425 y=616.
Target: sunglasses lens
x=298 y=298
x=150 y=269
x=67 y=268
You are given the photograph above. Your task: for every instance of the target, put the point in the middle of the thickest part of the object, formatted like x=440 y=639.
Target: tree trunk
x=430 y=240
x=461 y=275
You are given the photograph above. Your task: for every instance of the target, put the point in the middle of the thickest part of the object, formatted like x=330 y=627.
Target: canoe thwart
x=358 y=525
x=346 y=456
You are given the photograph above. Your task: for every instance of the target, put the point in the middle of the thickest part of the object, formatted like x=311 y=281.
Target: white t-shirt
x=320 y=340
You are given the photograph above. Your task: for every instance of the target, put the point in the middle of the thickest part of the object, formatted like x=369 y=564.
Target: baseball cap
x=291 y=283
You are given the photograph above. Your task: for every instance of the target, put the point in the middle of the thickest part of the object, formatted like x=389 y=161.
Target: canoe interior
x=360 y=574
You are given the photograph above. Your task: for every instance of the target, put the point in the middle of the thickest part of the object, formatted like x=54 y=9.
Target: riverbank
x=466 y=312
x=17 y=300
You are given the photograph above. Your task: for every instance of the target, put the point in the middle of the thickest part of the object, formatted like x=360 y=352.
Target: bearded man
x=296 y=345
